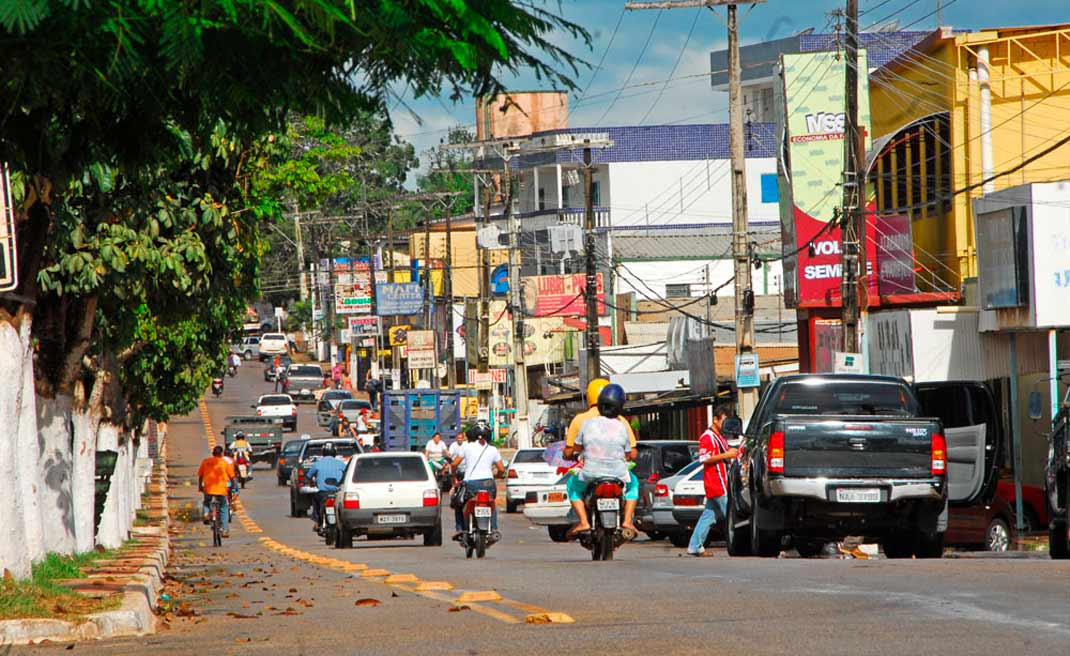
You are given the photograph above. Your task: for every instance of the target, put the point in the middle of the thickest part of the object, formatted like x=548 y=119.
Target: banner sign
x=421 y=346
x=364 y=326
x=352 y=287
x=544 y=339
x=895 y=254
x=486 y=380
x=747 y=370
x=399 y=298
x=812 y=117
x=559 y=296
x=399 y=335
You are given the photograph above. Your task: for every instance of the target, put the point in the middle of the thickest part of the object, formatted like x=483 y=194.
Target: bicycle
x=214 y=511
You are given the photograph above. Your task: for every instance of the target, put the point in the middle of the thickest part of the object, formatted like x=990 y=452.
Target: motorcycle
x=604 y=500
x=328 y=521
x=241 y=460
x=232 y=371
x=443 y=476
x=477 y=536
x=217 y=387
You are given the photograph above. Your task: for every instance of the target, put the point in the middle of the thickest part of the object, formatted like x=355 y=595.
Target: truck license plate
x=483 y=511
x=858 y=495
x=391 y=519
x=608 y=504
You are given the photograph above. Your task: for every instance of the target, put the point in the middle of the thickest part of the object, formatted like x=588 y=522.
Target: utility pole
x=520 y=367
x=590 y=290
x=427 y=273
x=746 y=398
x=302 y=285
x=484 y=302
x=852 y=257
x=447 y=293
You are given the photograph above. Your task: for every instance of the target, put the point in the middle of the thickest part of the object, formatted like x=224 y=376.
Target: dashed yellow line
x=435 y=590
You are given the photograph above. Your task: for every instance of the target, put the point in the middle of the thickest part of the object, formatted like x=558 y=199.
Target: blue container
x=411 y=417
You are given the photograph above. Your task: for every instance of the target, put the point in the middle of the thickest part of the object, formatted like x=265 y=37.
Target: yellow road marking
x=433 y=586
x=402 y=578
x=483 y=595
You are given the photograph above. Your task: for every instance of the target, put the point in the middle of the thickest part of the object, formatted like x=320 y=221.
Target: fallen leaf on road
x=243 y=639
x=367 y=601
x=457 y=609
x=232 y=595
x=288 y=612
x=292 y=590
x=239 y=616
x=394 y=594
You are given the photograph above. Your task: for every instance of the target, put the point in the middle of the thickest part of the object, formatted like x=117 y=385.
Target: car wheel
x=293 y=505
x=738 y=541
x=1058 y=542
x=433 y=536
x=510 y=506
x=344 y=539
x=247 y=355
x=765 y=544
x=655 y=536
x=281 y=481
x=997 y=536
x=679 y=539
x=558 y=533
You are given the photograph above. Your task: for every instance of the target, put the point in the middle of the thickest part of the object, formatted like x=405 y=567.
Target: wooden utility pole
x=746 y=398
x=447 y=293
x=590 y=291
x=852 y=256
x=484 y=302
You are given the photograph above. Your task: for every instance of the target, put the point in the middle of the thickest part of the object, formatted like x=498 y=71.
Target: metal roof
x=709 y=242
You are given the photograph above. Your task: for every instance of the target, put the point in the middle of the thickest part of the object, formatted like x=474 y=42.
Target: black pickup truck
x=828 y=456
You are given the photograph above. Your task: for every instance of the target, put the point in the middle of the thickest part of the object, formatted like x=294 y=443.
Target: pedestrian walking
x=336 y=375
x=276 y=362
x=714 y=454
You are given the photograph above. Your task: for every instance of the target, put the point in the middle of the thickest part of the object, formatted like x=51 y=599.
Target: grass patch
x=42 y=596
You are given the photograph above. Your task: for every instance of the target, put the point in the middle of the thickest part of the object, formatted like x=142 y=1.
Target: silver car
x=328 y=405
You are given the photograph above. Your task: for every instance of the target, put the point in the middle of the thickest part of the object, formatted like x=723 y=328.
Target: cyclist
x=214 y=478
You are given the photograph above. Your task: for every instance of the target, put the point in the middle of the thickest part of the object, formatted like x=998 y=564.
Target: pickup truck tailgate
x=861 y=447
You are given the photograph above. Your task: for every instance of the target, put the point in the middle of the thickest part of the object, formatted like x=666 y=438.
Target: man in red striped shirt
x=714 y=454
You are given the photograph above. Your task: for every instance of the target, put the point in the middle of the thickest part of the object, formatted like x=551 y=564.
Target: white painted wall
x=682 y=192
x=658 y=274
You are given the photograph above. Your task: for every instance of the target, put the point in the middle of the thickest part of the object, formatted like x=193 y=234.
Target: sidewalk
x=135 y=574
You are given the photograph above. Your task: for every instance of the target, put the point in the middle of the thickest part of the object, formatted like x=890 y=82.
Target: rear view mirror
x=732 y=427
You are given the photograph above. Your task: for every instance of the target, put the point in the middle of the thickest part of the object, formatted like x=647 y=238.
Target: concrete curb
x=135 y=616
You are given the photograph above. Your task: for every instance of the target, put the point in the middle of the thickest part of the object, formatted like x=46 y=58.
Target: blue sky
x=596 y=104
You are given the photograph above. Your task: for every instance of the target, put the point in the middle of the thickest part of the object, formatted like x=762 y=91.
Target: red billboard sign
x=559 y=296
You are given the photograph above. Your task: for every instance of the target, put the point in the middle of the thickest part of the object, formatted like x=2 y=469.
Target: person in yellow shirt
x=214 y=478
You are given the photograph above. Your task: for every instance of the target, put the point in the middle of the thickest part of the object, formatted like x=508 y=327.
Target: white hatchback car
x=392 y=494
x=528 y=472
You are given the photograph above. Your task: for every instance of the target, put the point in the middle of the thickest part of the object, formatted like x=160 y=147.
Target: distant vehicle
x=674 y=510
x=416 y=415
x=527 y=472
x=287 y=460
x=328 y=405
x=271 y=372
x=549 y=506
x=248 y=348
x=827 y=456
x=388 y=495
x=272 y=344
x=351 y=408
x=301 y=381
x=277 y=408
x=301 y=494
x=657 y=460
x=264 y=437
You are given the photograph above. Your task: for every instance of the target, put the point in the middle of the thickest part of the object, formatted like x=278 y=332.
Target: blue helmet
x=611 y=401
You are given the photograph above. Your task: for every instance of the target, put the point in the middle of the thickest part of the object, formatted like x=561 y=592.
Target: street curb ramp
x=140 y=591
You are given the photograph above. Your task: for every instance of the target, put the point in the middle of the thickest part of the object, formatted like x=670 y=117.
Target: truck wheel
x=898 y=546
x=929 y=545
x=765 y=544
x=679 y=539
x=1058 y=544
x=558 y=533
x=738 y=540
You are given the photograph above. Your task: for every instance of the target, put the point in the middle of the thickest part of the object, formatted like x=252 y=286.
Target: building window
x=542 y=198
x=678 y=290
x=596 y=194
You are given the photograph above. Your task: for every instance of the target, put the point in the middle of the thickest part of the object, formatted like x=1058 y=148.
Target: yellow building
x=959 y=109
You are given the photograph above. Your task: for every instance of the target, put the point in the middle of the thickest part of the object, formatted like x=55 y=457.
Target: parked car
x=827 y=456
x=657 y=460
x=987 y=525
x=271 y=372
x=388 y=494
x=327 y=406
x=302 y=380
x=287 y=460
x=272 y=344
x=248 y=348
x=527 y=472
x=549 y=506
x=671 y=520
x=301 y=495
x=279 y=409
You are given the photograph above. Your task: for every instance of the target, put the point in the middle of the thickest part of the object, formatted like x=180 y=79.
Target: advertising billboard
x=811 y=116
x=421 y=345
x=895 y=254
x=544 y=338
x=399 y=298
x=559 y=296
x=352 y=287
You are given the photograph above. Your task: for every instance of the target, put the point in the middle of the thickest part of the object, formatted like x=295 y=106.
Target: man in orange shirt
x=214 y=479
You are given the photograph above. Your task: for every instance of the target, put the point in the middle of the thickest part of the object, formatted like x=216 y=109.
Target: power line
x=679 y=58
x=638 y=59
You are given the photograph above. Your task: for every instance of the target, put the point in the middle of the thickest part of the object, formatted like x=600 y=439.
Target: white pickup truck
x=279 y=409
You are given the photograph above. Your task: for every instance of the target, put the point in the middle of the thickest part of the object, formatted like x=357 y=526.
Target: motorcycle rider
x=239 y=443
x=606 y=448
x=328 y=465
x=481 y=461
x=234 y=360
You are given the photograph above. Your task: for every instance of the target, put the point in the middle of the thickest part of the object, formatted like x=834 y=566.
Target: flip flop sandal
x=575 y=534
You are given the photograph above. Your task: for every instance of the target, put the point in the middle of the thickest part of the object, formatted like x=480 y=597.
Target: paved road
x=274 y=587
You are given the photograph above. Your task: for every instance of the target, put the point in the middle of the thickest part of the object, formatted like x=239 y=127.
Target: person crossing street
x=714 y=454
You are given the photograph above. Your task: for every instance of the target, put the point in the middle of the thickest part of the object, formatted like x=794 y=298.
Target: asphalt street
x=274 y=587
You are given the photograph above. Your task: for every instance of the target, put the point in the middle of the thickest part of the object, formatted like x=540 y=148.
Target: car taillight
x=430 y=498
x=776 y=453
x=259 y=412
x=300 y=476
x=939 y=455
x=329 y=502
x=661 y=490
x=351 y=501
x=482 y=497
x=654 y=478
x=513 y=474
x=607 y=490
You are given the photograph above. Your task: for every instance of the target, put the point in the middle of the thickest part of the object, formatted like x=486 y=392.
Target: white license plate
x=391 y=519
x=858 y=495
x=330 y=512
x=483 y=511
x=608 y=504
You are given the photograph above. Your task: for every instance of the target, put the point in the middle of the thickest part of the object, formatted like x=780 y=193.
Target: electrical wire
x=679 y=58
x=638 y=60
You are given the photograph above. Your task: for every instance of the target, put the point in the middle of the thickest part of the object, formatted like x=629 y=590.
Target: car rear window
x=846 y=397
x=276 y=400
x=528 y=456
x=334 y=395
x=674 y=458
x=390 y=469
x=306 y=370
x=274 y=337
x=355 y=404
x=292 y=447
x=344 y=449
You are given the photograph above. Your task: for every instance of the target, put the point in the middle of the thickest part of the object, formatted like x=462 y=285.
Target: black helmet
x=329 y=451
x=480 y=431
x=611 y=401
x=239 y=436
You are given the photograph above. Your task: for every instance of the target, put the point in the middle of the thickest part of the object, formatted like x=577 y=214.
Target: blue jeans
x=487 y=484
x=716 y=508
x=224 y=510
